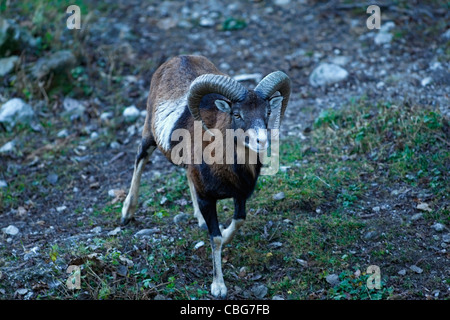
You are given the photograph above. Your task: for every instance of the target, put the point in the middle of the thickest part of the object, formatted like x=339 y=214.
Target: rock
x=131 y=113
x=11 y=230
x=276 y=297
x=242 y=272
x=166 y=23
x=60 y=61
x=114 y=232
x=402 y=272
x=206 y=22
x=181 y=218
x=105 y=116
x=122 y=270
x=281 y=2
x=163 y=200
x=259 y=291
x=32 y=253
x=61 y=208
x=8 y=147
x=426 y=81
x=371 y=235
x=146 y=232
x=15 y=111
x=417 y=216
x=340 y=60
x=424 y=207
x=73 y=108
x=7 y=65
x=332 y=279
x=63 y=133
x=439 y=227
x=256 y=77
x=384 y=36
x=14 y=38
x=199 y=245
x=3 y=184
x=52 y=178
x=446 y=238
x=446 y=34
x=97 y=229
x=376 y=209
x=279 y=196
x=302 y=262
x=21 y=292
x=416 y=269
x=326 y=74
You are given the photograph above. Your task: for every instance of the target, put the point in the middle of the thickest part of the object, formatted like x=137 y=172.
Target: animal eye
x=237 y=115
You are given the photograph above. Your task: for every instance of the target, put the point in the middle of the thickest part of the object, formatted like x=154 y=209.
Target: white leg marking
x=230 y=232
x=197 y=212
x=218 y=288
x=131 y=201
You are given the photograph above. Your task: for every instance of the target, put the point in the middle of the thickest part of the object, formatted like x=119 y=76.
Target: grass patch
x=290 y=245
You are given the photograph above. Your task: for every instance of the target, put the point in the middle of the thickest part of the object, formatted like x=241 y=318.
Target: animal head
x=249 y=109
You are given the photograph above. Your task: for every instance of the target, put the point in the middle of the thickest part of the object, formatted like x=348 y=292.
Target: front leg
x=236 y=223
x=209 y=212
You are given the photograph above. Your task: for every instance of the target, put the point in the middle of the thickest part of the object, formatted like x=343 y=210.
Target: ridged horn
x=273 y=82
x=213 y=83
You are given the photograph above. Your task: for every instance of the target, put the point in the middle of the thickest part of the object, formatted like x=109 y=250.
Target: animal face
x=252 y=116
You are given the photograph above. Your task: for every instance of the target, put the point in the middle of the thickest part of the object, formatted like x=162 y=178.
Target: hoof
x=219 y=290
x=125 y=221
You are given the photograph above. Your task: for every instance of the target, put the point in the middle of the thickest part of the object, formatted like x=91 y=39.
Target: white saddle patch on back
x=166 y=116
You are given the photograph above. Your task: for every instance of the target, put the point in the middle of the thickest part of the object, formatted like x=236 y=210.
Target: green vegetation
x=292 y=245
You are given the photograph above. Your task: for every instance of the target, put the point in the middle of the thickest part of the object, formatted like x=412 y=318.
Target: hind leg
x=145 y=150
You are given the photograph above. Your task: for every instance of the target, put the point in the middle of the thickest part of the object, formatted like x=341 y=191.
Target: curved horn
x=273 y=82
x=213 y=83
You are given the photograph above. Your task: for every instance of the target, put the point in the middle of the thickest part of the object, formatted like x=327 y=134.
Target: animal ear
x=275 y=102
x=223 y=106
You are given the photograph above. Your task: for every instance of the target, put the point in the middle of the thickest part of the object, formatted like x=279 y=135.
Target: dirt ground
x=58 y=185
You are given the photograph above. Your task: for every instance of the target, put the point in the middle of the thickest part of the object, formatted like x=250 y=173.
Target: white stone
x=7 y=65
x=7 y=147
x=199 y=245
x=326 y=74
x=61 y=208
x=63 y=133
x=383 y=38
x=131 y=113
x=206 y=22
x=256 y=77
x=279 y=196
x=11 y=230
x=426 y=81
x=146 y=232
x=73 y=108
x=281 y=2
x=114 y=232
x=15 y=111
x=439 y=227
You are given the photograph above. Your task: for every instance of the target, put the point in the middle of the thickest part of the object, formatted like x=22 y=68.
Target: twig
x=323 y=181
x=117 y=156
